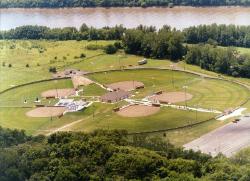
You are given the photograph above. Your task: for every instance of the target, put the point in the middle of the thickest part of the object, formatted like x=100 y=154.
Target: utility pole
x=185 y=88
x=172 y=68
x=119 y=60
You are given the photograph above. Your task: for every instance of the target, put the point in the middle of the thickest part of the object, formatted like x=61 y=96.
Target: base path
x=138 y=111
x=46 y=112
x=226 y=140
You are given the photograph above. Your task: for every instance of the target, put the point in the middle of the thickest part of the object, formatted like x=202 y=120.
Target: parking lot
x=226 y=140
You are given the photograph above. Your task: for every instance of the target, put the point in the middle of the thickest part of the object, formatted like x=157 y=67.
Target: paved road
x=226 y=140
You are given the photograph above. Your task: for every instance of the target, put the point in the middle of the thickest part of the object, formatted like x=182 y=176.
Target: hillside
x=110 y=155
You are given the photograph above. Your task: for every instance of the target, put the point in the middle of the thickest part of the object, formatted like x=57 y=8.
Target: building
x=114 y=96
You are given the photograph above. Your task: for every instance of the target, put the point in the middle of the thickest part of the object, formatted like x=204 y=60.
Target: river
x=178 y=17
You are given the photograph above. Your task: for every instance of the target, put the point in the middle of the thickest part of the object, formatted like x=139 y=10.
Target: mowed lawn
x=99 y=116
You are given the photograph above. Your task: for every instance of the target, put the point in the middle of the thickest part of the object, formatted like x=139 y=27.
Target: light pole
x=93 y=112
x=184 y=63
x=172 y=68
x=185 y=88
x=119 y=61
x=57 y=96
x=196 y=113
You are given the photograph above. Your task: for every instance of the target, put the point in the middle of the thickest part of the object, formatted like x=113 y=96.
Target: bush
x=110 y=49
x=52 y=69
x=10 y=65
x=27 y=65
x=94 y=47
x=82 y=55
x=118 y=45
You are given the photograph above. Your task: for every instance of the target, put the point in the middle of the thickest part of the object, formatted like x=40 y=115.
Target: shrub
x=52 y=69
x=82 y=55
x=110 y=49
x=118 y=45
x=94 y=47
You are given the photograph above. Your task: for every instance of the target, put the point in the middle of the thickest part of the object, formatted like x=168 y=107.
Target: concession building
x=115 y=96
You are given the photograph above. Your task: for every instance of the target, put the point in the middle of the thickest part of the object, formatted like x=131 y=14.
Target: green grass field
x=40 y=55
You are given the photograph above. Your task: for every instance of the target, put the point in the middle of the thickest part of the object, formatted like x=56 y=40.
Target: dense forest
x=222 y=60
x=145 y=41
x=117 y=3
x=224 y=35
x=111 y=155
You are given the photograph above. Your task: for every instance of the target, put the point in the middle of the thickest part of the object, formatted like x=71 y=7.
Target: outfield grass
x=16 y=97
x=208 y=93
x=99 y=116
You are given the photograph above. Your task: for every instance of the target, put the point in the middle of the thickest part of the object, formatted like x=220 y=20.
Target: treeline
x=67 y=33
x=145 y=41
x=222 y=60
x=223 y=35
x=10 y=137
x=111 y=155
x=117 y=3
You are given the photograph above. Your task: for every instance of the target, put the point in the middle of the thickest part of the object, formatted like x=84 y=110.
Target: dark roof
x=115 y=95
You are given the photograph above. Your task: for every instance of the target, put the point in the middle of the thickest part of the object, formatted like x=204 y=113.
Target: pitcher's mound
x=45 y=112
x=58 y=93
x=171 y=97
x=138 y=111
x=126 y=85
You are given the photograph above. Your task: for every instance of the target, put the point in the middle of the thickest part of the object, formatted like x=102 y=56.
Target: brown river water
x=178 y=17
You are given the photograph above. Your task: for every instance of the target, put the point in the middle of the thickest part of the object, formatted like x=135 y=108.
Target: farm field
x=40 y=55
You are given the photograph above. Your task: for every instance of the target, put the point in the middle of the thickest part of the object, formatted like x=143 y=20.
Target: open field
x=39 y=55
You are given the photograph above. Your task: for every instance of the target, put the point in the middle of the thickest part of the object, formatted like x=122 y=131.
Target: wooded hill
x=110 y=155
